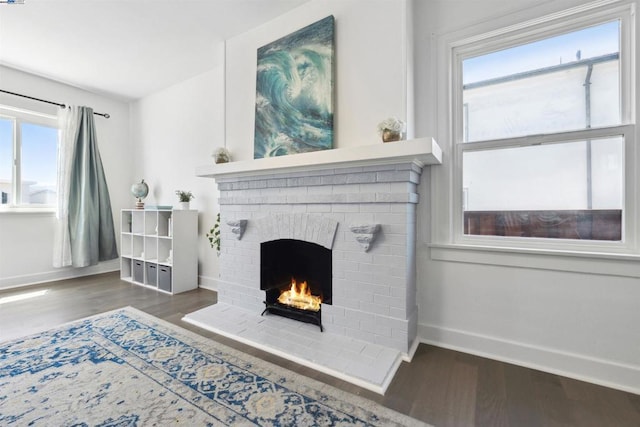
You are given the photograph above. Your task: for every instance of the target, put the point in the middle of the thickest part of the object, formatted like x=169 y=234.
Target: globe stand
x=140 y=191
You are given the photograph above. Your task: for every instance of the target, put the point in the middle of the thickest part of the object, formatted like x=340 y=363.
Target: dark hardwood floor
x=441 y=387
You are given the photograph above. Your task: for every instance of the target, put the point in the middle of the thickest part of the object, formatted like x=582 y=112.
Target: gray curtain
x=91 y=231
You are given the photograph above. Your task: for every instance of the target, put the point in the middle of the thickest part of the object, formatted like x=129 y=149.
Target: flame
x=300 y=297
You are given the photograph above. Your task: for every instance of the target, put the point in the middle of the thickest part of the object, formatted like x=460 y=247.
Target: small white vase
x=184 y=206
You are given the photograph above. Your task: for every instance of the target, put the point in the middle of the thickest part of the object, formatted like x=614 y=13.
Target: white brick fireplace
x=360 y=203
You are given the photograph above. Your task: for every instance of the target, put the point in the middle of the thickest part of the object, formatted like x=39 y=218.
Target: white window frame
x=20 y=116
x=523 y=33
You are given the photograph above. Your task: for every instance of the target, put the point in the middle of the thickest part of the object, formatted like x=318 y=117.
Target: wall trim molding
x=209 y=283
x=58 y=274
x=603 y=372
x=622 y=265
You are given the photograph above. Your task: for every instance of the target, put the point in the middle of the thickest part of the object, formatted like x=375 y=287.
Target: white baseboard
x=408 y=357
x=210 y=283
x=58 y=274
x=607 y=373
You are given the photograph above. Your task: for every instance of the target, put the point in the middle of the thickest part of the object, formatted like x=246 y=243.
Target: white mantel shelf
x=423 y=151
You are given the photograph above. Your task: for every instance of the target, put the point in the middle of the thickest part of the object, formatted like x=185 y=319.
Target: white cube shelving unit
x=159 y=249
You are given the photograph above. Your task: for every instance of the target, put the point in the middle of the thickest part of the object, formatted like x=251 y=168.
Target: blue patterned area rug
x=127 y=368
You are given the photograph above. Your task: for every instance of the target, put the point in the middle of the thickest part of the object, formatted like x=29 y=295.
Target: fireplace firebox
x=296 y=277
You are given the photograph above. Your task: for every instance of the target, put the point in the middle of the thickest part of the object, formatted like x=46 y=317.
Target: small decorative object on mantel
x=184 y=197
x=221 y=155
x=391 y=129
x=140 y=191
x=237 y=227
x=365 y=234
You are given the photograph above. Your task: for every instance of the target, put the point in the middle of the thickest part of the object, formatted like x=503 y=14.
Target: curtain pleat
x=91 y=232
x=67 y=122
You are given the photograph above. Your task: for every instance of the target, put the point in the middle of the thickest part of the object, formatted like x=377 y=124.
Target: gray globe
x=140 y=190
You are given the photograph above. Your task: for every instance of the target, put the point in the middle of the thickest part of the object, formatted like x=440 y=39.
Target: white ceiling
x=125 y=48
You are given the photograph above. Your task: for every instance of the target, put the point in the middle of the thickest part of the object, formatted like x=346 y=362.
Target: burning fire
x=299 y=296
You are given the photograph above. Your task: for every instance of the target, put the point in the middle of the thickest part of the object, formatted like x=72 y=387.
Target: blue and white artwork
x=294 y=92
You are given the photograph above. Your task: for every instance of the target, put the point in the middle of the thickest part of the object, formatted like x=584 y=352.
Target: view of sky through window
x=590 y=42
x=38 y=154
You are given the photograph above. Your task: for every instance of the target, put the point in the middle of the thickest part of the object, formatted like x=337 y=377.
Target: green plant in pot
x=214 y=235
x=184 y=197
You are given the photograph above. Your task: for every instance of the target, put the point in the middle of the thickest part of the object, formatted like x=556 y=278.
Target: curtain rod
x=105 y=115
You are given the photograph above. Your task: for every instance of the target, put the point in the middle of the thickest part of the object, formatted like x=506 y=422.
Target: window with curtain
x=543 y=131
x=28 y=152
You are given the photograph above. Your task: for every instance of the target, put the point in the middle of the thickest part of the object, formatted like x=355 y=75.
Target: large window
x=543 y=131
x=28 y=152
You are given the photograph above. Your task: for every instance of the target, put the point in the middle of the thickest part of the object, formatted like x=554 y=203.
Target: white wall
x=26 y=239
x=577 y=316
x=175 y=130
x=370 y=74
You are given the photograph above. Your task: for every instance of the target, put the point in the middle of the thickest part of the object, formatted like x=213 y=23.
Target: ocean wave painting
x=294 y=92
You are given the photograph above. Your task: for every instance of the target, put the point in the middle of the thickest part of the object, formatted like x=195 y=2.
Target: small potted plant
x=184 y=197
x=391 y=129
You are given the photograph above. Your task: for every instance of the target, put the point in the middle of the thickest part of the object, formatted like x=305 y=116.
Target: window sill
x=624 y=265
x=12 y=211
